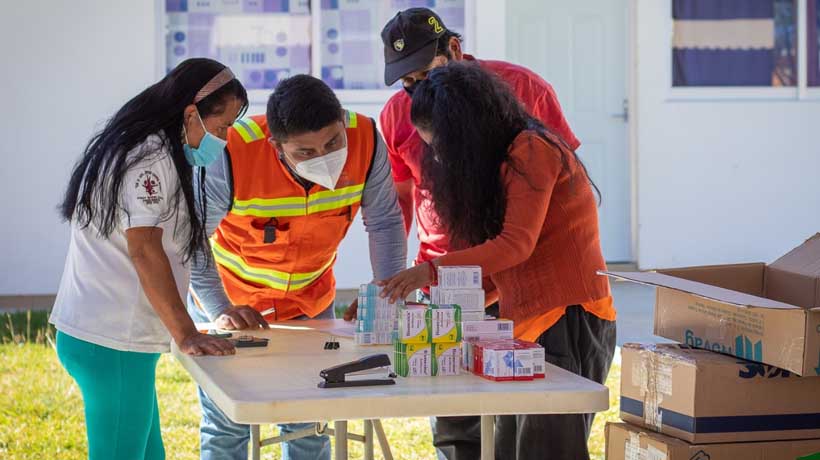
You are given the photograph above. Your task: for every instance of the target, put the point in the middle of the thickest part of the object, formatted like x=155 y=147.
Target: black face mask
x=410 y=89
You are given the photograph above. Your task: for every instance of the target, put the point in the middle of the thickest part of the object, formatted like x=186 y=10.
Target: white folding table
x=279 y=384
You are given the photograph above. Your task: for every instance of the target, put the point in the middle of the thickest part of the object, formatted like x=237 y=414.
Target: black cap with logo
x=410 y=42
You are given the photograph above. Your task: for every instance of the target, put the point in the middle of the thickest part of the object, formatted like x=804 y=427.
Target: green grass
x=26 y=327
x=41 y=412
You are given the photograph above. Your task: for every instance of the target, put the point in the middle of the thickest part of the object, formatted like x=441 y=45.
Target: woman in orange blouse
x=520 y=204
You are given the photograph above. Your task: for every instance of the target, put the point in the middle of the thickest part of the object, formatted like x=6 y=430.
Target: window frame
x=806 y=92
x=346 y=96
x=747 y=93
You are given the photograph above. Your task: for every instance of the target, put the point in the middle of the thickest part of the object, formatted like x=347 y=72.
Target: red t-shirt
x=405 y=147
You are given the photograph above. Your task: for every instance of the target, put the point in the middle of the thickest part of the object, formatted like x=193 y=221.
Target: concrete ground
x=635 y=305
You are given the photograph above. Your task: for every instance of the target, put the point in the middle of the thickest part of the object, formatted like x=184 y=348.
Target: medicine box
x=459 y=277
x=413 y=359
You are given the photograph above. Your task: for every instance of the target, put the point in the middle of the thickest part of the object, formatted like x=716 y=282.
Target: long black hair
x=94 y=190
x=473 y=118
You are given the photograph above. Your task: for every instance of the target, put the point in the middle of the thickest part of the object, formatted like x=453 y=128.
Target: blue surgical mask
x=209 y=150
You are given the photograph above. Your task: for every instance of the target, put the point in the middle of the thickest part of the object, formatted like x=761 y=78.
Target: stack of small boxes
x=428 y=341
x=376 y=317
x=504 y=359
x=450 y=334
x=460 y=286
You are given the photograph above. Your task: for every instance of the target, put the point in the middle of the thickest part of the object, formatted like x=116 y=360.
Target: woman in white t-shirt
x=134 y=228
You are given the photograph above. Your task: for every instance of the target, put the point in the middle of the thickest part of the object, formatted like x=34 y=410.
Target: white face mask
x=324 y=170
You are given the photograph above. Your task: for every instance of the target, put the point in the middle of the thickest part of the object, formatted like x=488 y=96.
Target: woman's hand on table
x=403 y=283
x=199 y=344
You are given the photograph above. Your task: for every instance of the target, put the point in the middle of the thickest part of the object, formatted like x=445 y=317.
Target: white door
x=580 y=47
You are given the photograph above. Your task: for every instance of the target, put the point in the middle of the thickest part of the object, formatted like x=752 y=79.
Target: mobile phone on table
x=247 y=341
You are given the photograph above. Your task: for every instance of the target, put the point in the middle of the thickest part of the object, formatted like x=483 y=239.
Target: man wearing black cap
x=415 y=42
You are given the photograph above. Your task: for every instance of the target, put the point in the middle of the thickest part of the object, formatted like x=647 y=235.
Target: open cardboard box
x=764 y=313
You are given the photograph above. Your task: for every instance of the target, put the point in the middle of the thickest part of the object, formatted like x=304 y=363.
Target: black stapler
x=348 y=374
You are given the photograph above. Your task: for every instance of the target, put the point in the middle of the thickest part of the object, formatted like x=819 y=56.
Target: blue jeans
x=220 y=438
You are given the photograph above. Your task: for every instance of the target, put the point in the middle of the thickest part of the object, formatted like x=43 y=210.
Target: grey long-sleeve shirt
x=380 y=212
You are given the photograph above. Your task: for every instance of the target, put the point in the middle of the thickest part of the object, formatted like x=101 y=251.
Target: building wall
x=67 y=66
x=717 y=181
x=70 y=65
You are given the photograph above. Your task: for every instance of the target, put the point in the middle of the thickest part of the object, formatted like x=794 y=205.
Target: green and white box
x=413 y=359
x=445 y=323
x=413 y=324
x=447 y=358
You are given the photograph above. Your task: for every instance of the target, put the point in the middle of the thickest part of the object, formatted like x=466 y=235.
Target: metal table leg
x=256 y=443
x=386 y=452
x=340 y=432
x=487 y=437
x=368 y=440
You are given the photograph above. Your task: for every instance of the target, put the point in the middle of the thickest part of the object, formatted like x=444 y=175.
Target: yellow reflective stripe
x=248 y=129
x=303 y=280
x=299 y=206
x=334 y=204
x=327 y=200
x=270 y=212
x=352 y=120
x=287 y=201
x=337 y=192
x=246 y=136
x=266 y=277
x=270 y=207
x=243 y=131
x=256 y=129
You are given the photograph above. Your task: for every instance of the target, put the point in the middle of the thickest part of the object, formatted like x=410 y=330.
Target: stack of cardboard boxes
x=743 y=383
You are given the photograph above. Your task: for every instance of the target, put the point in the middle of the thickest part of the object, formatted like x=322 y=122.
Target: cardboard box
x=538 y=357
x=705 y=397
x=413 y=359
x=373 y=338
x=447 y=358
x=376 y=317
x=491 y=329
x=503 y=359
x=627 y=442
x=444 y=322
x=467 y=299
x=413 y=324
x=473 y=316
x=523 y=363
x=498 y=363
x=765 y=313
x=459 y=277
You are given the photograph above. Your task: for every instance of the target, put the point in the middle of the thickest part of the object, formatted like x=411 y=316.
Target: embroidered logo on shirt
x=149 y=188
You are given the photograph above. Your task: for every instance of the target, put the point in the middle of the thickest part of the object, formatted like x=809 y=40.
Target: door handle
x=624 y=115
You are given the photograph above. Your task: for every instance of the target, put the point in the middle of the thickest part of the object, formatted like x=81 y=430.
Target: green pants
x=121 y=413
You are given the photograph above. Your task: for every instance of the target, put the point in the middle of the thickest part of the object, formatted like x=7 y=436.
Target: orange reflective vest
x=294 y=272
